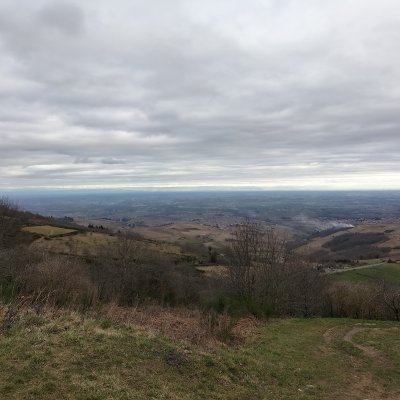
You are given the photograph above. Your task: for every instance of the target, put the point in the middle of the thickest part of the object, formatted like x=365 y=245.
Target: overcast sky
x=134 y=93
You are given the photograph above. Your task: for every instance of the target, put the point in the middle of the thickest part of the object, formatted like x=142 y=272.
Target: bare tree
x=274 y=270
x=8 y=223
x=244 y=254
x=121 y=261
x=129 y=253
x=391 y=299
x=257 y=257
x=265 y=270
x=307 y=289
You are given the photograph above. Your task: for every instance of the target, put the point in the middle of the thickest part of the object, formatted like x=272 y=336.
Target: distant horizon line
x=192 y=188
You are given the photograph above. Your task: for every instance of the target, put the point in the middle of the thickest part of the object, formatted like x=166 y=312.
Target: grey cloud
x=82 y=160
x=112 y=161
x=264 y=93
x=65 y=17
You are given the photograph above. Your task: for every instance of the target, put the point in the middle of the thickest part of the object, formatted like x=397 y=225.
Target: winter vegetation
x=268 y=323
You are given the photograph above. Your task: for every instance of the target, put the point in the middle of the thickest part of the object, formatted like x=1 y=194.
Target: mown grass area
x=388 y=272
x=68 y=357
x=48 y=230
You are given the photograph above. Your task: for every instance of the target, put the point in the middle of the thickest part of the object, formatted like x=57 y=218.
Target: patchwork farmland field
x=73 y=242
x=48 y=230
x=366 y=240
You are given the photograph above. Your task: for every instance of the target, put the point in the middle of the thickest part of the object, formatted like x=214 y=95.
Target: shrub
x=60 y=281
x=361 y=300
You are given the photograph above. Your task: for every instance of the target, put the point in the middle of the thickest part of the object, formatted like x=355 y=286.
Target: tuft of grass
x=105 y=323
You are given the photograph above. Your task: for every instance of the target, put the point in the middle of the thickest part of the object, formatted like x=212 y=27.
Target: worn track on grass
x=362 y=384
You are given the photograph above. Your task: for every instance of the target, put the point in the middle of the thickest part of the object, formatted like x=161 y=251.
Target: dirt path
x=376 y=355
x=362 y=384
x=369 y=351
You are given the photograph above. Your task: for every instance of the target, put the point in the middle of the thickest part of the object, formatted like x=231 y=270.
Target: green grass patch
x=387 y=272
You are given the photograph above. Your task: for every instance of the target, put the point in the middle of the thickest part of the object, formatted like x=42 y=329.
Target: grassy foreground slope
x=67 y=357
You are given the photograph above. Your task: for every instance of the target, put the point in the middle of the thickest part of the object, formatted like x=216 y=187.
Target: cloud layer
x=271 y=93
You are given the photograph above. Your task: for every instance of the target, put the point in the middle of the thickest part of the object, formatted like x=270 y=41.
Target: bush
x=60 y=281
x=361 y=300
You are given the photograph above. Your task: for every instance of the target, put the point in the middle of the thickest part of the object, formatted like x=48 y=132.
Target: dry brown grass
x=168 y=231
x=188 y=324
x=184 y=231
x=205 y=329
x=214 y=270
x=92 y=244
x=246 y=327
x=81 y=244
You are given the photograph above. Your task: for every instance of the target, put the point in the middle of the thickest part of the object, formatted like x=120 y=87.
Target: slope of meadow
x=65 y=355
